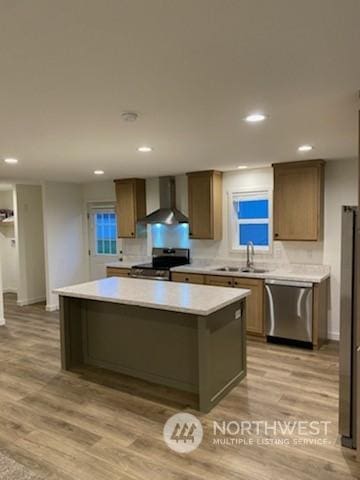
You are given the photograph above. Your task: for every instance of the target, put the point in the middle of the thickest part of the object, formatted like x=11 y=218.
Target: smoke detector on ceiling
x=129 y=116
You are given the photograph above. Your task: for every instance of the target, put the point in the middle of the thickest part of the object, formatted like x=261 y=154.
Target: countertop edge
x=203 y=313
x=261 y=276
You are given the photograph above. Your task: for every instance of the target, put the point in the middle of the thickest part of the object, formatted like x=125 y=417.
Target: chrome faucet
x=250 y=252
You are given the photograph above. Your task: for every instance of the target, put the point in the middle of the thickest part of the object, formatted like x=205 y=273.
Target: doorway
x=102 y=230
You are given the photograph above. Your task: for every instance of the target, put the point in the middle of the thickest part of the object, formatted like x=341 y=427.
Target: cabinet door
x=125 y=209
x=298 y=192
x=254 y=304
x=200 y=208
x=117 y=272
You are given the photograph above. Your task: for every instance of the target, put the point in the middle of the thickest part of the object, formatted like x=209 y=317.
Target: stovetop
x=165 y=258
x=162 y=260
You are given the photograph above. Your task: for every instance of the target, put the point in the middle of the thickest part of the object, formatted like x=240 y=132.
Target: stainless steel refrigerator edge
x=347 y=393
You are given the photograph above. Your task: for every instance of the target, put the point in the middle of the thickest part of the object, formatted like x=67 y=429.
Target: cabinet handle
x=132 y=234
x=186 y=279
x=229 y=283
x=276 y=235
x=235 y=283
x=190 y=234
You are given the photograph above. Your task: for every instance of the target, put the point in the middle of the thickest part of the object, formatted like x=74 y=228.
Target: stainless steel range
x=162 y=260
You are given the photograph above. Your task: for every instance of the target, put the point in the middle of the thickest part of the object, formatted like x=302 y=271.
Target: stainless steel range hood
x=167 y=213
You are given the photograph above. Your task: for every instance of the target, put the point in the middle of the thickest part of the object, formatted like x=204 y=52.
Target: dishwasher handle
x=288 y=283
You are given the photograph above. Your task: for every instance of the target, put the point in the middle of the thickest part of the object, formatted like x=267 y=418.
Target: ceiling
x=191 y=69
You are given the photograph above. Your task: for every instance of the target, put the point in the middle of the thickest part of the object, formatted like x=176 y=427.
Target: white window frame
x=94 y=210
x=234 y=222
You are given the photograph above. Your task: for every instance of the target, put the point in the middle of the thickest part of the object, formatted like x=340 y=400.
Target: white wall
x=30 y=244
x=9 y=262
x=341 y=188
x=64 y=238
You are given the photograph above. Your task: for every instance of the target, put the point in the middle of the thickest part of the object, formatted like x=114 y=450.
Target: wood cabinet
x=117 y=272
x=298 y=200
x=205 y=205
x=219 y=281
x=130 y=205
x=254 y=304
x=187 y=277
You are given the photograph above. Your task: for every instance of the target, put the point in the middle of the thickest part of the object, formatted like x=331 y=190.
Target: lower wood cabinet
x=187 y=277
x=117 y=272
x=219 y=281
x=254 y=304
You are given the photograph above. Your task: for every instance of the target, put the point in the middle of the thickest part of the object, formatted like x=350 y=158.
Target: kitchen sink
x=253 y=270
x=228 y=269
x=241 y=270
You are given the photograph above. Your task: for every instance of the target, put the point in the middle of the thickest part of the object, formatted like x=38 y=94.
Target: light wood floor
x=66 y=426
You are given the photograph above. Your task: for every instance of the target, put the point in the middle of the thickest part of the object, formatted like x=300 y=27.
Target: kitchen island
x=190 y=337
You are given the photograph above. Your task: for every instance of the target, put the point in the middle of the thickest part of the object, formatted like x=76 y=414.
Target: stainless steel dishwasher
x=289 y=312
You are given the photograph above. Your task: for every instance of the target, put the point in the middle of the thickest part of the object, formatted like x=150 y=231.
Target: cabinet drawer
x=117 y=272
x=244 y=282
x=220 y=281
x=187 y=277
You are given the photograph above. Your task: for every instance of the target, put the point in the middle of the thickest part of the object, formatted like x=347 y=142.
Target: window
x=250 y=219
x=105 y=233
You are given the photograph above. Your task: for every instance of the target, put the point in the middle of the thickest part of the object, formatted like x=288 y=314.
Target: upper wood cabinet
x=298 y=200
x=205 y=205
x=130 y=205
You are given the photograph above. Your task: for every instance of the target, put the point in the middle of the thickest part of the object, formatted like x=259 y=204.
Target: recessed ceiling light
x=145 y=149
x=11 y=161
x=255 y=117
x=305 y=148
x=242 y=167
x=99 y=172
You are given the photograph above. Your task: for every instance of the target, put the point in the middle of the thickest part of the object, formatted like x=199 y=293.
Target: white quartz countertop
x=162 y=295
x=296 y=273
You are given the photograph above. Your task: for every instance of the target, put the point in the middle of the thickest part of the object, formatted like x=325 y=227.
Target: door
x=125 y=206
x=254 y=304
x=200 y=208
x=297 y=202
x=102 y=239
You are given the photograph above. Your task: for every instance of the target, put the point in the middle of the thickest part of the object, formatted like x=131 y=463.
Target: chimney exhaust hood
x=167 y=214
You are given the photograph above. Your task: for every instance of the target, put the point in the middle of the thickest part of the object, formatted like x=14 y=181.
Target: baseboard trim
x=51 y=308
x=30 y=301
x=334 y=336
x=10 y=290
